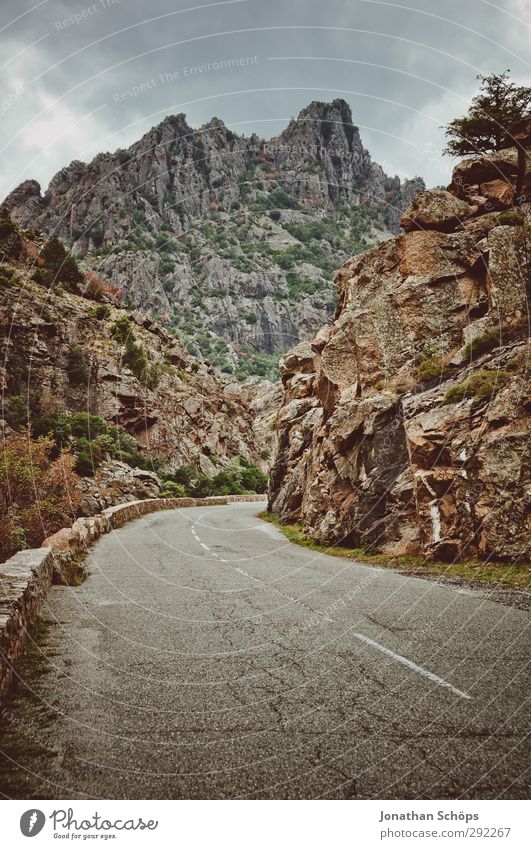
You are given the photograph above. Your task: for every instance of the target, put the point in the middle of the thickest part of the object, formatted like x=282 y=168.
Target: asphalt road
x=207 y=657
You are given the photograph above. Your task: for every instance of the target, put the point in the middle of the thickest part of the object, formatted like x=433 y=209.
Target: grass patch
x=495 y=338
x=480 y=386
x=432 y=368
x=471 y=572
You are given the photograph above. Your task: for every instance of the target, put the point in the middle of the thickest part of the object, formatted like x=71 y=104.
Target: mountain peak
x=324 y=110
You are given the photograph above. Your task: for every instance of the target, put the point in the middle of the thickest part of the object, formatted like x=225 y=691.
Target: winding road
x=207 y=657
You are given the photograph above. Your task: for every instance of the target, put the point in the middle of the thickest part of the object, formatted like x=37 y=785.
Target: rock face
x=181 y=414
x=404 y=423
x=435 y=210
x=232 y=240
x=115 y=483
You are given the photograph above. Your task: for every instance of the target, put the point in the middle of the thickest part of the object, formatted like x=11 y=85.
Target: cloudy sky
x=82 y=77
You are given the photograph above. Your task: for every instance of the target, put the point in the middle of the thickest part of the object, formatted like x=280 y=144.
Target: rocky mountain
x=126 y=389
x=230 y=240
x=404 y=423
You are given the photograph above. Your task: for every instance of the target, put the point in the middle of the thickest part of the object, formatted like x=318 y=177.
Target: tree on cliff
x=488 y=126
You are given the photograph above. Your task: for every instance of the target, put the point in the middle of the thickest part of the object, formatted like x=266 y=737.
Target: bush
x=38 y=494
x=135 y=358
x=431 y=368
x=95 y=286
x=238 y=478
x=480 y=386
x=510 y=218
x=494 y=338
x=281 y=199
x=16 y=412
x=77 y=367
x=10 y=241
x=87 y=425
x=7 y=277
x=170 y=489
x=60 y=267
x=89 y=457
x=121 y=329
x=88 y=436
x=101 y=312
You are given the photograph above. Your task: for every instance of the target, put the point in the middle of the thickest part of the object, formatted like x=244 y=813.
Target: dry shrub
x=114 y=291
x=95 y=286
x=38 y=494
x=30 y=251
x=99 y=289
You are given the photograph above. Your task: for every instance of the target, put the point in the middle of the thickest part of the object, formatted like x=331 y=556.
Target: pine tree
x=489 y=125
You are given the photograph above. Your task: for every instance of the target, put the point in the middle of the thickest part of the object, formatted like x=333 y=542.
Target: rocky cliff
x=61 y=352
x=231 y=240
x=404 y=423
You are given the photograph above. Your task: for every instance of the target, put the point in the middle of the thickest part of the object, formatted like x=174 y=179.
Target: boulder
x=435 y=210
x=485 y=168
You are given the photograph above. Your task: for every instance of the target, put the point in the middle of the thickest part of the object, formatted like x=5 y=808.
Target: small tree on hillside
x=488 y=125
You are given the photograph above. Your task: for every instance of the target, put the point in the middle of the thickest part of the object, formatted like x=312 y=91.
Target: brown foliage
x=115 y=291
x=30 y=251
x=96 y=287
x=99 y=289
x=38 y=494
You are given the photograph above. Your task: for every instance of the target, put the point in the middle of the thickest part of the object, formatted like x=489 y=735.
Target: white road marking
x=420 y=669
x=400 y=658
x=247 y=575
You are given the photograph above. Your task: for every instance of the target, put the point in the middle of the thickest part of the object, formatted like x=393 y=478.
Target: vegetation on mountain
x=38 y=493
x=486 y=126
x=238 y=478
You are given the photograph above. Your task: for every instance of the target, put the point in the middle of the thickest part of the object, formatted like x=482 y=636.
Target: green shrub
x=170 y=489
x=16 y=411
x=511 y=217
x=135 y=358
x=238 y=478
x=88 y=457
x=121 y=329
x=7 y=277
x=431 y=368
x=152 y=378
x=10 y=241
x=87 y=425
x=479 y=386
x=60 y=267
x=494 y=338
x=77 y=367
x=281 y=199
x=100 y=312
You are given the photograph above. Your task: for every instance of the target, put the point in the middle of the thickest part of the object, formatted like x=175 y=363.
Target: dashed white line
x=420 y=669
x=247 y=575
x=436 y=679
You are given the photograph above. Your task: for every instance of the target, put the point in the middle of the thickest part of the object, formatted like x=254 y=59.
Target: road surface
x=207 y=657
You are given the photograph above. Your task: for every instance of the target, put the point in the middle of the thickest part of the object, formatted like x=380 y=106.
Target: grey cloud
x=404 y=70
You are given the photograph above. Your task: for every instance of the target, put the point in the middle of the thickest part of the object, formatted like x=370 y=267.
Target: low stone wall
x=25 y=577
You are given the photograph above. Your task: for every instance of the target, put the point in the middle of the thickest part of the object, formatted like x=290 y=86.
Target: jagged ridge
x=231 y=240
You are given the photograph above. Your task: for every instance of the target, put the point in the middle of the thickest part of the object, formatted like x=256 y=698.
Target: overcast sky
x=82 y=77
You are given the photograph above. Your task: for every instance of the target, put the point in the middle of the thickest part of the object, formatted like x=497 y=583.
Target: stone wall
x=25 y=577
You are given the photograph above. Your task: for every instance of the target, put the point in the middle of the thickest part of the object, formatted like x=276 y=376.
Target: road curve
x=207 y=657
